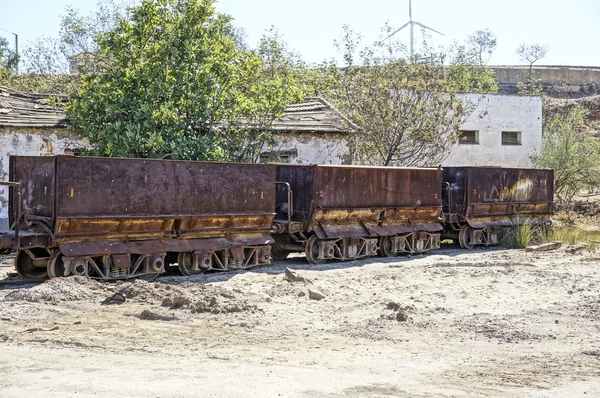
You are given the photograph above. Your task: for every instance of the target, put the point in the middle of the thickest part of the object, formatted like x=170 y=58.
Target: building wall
x=493 y=115
x=30 y=141
x=309 y=148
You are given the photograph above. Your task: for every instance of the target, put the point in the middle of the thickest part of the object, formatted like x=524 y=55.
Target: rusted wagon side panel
x=347 y=212
x=494 y=195
x=510 y=185
x=37 y=178
x=366 y=187
x=143 y=187
x=345 y=187
x=142 y=198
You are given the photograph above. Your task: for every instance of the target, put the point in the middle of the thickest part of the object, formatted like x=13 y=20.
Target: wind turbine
x=412 y=24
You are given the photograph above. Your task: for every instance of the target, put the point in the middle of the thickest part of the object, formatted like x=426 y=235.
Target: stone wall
x=493 y=115
x=30 y=142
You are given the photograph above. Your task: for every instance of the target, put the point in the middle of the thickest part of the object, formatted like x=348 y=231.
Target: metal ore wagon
x=121 y=218
x=480 y=201
x=349 y=212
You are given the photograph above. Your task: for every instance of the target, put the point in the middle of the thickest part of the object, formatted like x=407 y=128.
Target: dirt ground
x=452 y=323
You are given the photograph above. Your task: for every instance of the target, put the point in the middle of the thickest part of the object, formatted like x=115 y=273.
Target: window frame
x=503 y=142
x=463 y=142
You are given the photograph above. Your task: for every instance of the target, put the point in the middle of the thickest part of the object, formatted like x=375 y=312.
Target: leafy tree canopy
x=8 y=60
x=573 y=153
x=52 y=65
x=181 y=85
x=531 y=53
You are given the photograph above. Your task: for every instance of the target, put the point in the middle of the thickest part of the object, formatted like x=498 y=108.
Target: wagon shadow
x=299 y=262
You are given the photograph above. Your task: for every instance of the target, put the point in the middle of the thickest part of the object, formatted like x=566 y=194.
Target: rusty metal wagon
x=123 y=218
x=480 y=201
x=351 y=212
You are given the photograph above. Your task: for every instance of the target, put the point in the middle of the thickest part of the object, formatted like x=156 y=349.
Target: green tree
x=180 y=86
x=408 y=112
x=482 y=43
x=8 y=62
x=531 y=53
x=570 y=149
x=54 y=64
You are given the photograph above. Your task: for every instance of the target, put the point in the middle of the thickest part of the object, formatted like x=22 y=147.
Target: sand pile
x=60 y=289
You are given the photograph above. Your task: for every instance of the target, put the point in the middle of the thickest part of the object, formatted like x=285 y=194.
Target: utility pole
x=16 y=46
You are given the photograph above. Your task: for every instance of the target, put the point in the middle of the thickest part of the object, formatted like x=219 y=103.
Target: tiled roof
x=314 y=115
x=19 y=109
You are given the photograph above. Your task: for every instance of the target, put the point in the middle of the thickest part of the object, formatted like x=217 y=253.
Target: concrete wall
x=548 y=74
x=311 y=148
x=494 y=114
x=30 y=141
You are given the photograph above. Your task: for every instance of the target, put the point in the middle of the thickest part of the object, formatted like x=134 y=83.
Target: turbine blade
x=427 y=27
x=410 y=9
x=396 y=31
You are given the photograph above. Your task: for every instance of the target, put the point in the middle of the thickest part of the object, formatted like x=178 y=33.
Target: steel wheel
x=277 y=253
x=385 y=246
x=28 y=267
x=185 y=262
x=312 y=251
x=56 y=266
x=465 y=237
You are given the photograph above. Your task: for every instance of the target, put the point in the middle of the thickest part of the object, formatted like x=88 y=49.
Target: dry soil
x=452 y=323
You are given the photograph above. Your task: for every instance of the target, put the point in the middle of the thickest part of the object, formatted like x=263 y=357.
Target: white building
x=312 y=132
x=503 y=130
x=29 y=126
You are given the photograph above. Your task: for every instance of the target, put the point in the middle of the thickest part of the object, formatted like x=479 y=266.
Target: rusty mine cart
x=480 y=201
x=348 y=212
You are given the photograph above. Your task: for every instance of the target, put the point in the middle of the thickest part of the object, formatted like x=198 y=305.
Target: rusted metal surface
x=105 y=247
x=83 y=199
x=150 y=199
x=10 y=239
x=36 y=174
x=7 y=240
x=102 y=187
x=350 y=201
x=486 y=196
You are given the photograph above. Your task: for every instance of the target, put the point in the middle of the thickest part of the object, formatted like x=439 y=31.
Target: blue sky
x=570 y=28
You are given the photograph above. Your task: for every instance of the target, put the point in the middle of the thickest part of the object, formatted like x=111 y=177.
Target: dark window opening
x=279 y=156
x=468 y=137
x=511 y=138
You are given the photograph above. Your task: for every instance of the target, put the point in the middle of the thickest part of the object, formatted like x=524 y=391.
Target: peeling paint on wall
x=317 y=148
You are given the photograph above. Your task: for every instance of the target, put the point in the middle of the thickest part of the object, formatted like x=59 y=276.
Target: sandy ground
x=453 y=323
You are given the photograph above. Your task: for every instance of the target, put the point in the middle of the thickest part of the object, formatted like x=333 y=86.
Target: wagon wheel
x=56 y=266
x=185 y=262
x=465 y=237
x=28 y=267
x=277 y=252
x=312 y=250
x=385 y=246
x=149 y=276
